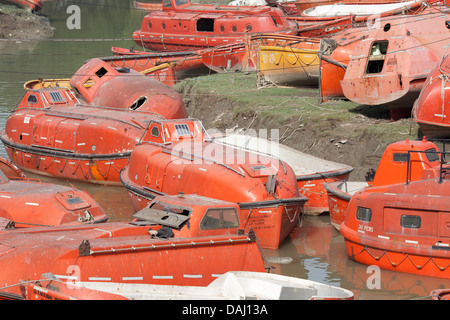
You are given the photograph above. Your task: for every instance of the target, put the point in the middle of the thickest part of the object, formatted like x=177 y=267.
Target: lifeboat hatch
x=71 y=201
x=376 y=57
x=138 y=103
x=163 y=217
x=101 y=72
x=205 y=25
x=260 y=170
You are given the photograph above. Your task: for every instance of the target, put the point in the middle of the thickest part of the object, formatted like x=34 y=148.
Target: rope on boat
x=396 y=264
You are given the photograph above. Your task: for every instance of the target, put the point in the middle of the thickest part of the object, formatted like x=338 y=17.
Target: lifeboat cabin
x=403 y=226
x=186 y=161
x=181 y=26
x=190 y=215
x=121 y=253
x=54 y=131
x=402 y=162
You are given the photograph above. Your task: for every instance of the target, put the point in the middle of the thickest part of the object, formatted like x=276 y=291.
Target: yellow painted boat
x=292 y=65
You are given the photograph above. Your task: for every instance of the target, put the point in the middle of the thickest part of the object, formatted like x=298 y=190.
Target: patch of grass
x=288 y=104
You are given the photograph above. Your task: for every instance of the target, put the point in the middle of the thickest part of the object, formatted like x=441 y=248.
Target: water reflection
x=315 y=250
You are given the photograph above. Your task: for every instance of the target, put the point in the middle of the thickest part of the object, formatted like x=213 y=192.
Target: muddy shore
x=19 y=25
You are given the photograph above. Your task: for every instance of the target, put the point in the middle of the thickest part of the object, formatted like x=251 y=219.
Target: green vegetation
x=277 y=105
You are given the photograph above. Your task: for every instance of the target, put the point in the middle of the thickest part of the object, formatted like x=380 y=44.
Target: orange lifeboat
x=402 y=161
x=186 y=161
x=183 y=62
x=30 y=203
x=312 y=173
x=120 y=252
x=390 y=66
x=182 y=26
x=401 y=227
x=431 y=109
x=54 y=132
x=334 y=56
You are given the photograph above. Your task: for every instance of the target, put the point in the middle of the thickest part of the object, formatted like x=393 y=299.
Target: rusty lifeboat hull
x=402 y=227
x=389 y=67
x=86 y=133
x=265 y=188
x=182 y=26
x=100 y=83
x=120 y=252
x=77 y=142
x=432 y=110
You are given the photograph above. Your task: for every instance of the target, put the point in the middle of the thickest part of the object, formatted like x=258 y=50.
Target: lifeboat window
x=407 y=221
x=222 y=28
x=32 y=99
x=220 y=219
x=377 y=56
x=248 y=27
x=400 y=157
x=181 y=2
x=155 y=132
x=363 y=214
x=432 y=155
x=182 y=129
x=167 y=4
x=138 y=103
x=205 y=24
x=101 y=72
x=56 y=96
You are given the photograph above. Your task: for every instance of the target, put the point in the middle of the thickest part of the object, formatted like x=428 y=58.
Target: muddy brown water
x=314 y=250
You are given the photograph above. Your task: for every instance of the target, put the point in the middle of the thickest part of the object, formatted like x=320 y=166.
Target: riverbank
x=339 y=131
x=19 y=25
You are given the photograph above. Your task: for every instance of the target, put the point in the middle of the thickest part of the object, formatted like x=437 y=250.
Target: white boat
x=311 y=172
x=240 y=285
x=343 y=9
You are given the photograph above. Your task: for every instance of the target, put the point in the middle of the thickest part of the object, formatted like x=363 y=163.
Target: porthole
x=387 y=27
x=150 y=25
x=164 y=26
x=222 y=28
x=234 y=28
x=248 y=27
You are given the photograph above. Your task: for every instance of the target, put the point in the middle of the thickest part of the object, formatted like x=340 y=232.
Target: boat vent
x=56 y=97
x=182 y=129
